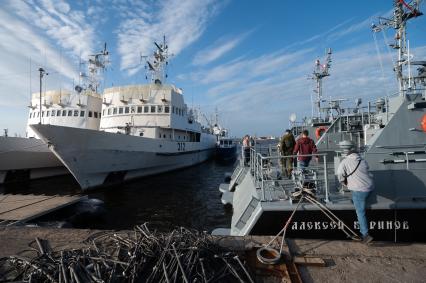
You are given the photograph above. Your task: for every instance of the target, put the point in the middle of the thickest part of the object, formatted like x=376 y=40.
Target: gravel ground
x=347 y=261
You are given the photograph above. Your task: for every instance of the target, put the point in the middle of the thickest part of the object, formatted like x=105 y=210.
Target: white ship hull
x=96 y=157
x=27 y=158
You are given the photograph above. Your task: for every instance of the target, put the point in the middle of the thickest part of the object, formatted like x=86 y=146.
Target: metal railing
x=262 y=164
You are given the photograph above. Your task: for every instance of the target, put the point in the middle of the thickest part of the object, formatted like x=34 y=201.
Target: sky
x=251 y=60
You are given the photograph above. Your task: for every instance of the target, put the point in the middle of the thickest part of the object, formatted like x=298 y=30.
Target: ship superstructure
x=392 y=138
x=29 y=157
x=145 y=129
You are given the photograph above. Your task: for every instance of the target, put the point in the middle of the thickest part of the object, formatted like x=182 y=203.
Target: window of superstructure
x=166 y=109
x=109 y=111
x=173 y=109
x=53 y=113
x=103 y=112
x=114 y=110
x=146 y=109
x=126 y=109
x=75 y=113
x=82 y=113
x=42 y=114
x=30 y=115
x=152 y=109
x=58 y=112
x=178 y=111
x=38 y=114
x=90 y=113
x=132 y=109
x=47 y=113
x=140 y=109
x=99 y=115
x=160 y=109
x=69 y=112
x=95 y=114
x=120 y=110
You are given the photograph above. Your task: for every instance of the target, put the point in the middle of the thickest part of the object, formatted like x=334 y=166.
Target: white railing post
x=326 y=178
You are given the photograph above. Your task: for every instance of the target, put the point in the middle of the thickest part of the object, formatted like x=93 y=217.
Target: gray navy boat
x=391 y=136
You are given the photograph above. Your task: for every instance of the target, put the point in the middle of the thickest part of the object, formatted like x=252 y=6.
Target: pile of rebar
x=141 y=255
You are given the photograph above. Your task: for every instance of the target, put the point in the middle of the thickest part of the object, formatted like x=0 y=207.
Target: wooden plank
x=23 y=208
x=309 y=260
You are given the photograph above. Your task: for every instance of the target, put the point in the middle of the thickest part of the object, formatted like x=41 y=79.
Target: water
x=187 y=197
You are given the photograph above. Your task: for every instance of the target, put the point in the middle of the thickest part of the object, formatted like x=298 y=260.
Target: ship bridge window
x=109 y=111
x=90 y=113
x=146 y=109
x=139 y=109
x=120 y=110
x=95 y=114
x=152 y=109
x=160 y=109
x=53 y=113
x=58 y=112
x=166 y=109
x=126 y=109
x=114 y=110
x=75 y=113
x=81 y=113
x=69 y=112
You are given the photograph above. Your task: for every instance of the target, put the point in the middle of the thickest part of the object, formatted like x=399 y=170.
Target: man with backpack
x=304 y=146
x=286 y=146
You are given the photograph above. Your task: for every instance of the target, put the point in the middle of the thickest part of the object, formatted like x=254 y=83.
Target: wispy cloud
x=182 y=21
x=218 y=49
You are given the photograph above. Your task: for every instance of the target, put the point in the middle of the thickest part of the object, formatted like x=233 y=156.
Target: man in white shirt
x=353 y=173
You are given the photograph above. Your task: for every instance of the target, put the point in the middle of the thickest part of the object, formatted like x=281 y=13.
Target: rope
x=380 y=60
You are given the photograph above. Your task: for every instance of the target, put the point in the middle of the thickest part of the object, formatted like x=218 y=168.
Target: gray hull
x=29 y=158
x=96 y=158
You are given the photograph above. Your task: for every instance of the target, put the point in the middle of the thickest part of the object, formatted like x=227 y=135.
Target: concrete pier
x=345 y=261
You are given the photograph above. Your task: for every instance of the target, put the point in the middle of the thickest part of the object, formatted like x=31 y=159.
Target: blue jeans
x=359 y=199
x=303 y=163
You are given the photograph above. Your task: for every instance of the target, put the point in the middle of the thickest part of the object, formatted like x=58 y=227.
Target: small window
x=58 y=112
x=146 y=109
x=53 y=113
x=69 y=112
x=126 y=109
x=114 y=110
x=160 y=109
x=164 y=135
x=64 y=112
x=47 y=113
x=139 y=109
x=42 y=114
x=38 y=114
x=132 y=109
x=75 y=113
x=81 y=113
x=173 y=109
x=120 y=110
x=103 y=112
x=166 y=109
x=99 y=115
x=30 y=114
x=141 y=134
x=109 y=111
x=153 y=109
x=95 y=114
x=90 y=113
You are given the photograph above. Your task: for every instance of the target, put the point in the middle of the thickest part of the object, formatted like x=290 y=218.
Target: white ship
x=145 y=129
x=29 y=157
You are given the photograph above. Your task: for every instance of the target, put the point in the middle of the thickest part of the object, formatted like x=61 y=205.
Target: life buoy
x=320 y=131
x=423 y=123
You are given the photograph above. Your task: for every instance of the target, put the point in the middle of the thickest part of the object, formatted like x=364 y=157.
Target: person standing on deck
x=304 y=145
x=353 y=173
x=246 y=149
x=286 y=146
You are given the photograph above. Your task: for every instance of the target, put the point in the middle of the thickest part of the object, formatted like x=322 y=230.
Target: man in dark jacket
x=304 y=145
x=286 y=145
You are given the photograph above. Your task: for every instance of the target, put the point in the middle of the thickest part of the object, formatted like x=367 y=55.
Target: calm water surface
x=188 y=197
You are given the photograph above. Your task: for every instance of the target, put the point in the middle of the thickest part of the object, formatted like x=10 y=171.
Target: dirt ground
x=346 y=261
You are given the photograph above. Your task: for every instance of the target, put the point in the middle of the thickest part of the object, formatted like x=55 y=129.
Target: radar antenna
x=156 y=64
x=401 y=14
x=321 y=71
x=97 y=63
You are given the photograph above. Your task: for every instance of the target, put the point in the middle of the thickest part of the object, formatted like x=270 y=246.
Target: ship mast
x=401 y=14
x=321 y=71
x=157 y=63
